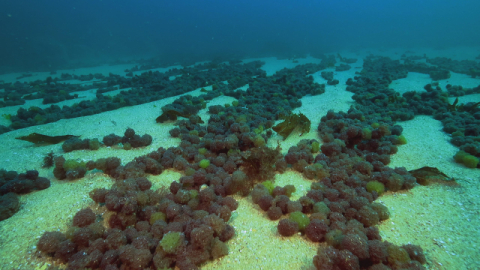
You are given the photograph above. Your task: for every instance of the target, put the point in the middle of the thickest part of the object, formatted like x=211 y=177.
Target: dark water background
x=51 y=34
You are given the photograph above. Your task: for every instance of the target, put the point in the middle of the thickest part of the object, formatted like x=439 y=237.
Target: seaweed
x=394 y=98
x=453 y=107
x=469 y=107
x=428 y=175
x=474 y=72
x=291 y=123
x=259 y=163
x=48 y=160
x=346 y=60
x=40 y=139
x=7 y=116
x=281 y=80
x=171 y=114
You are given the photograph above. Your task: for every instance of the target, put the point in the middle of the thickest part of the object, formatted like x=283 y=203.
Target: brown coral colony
x=187 y=223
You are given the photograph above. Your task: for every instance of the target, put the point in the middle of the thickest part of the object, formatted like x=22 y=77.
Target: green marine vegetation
x=321 y=208
x=330 y=64
x=69 y=169
x=375 y=125
x=258 y=141
x=346 y=60
x=7 y=116
x=395 y=98
x=398 y=140
x=315 y=147
x=466 y=159
x=186 y=107
x=366 y=133
x=204 y=163
x=202 y=151
x=315 y=171
x=469 y=107
x=259 y=163
x=171 y=241
x=71 y=164
x=453 y=107
x=300 y=218
x=189 y=171
x=269 y=185
x=375 y=186
x=292 y=122
x=474 y=72
x=173 y=113
x=94 y=144
x=157 y=216
x=127 y=146
x=48 y=160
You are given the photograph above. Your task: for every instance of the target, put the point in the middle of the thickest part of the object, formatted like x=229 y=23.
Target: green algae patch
x=204 y=163
x=375 y=186
x=300 y=218
x=157 y=216
x=322 y=208
x=466 y=159
x=315 y=147
x=71 y=164
x=269 y=185
x=258 y=141
x=171 y=241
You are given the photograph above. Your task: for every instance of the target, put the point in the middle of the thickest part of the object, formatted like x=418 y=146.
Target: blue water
x=51 y=34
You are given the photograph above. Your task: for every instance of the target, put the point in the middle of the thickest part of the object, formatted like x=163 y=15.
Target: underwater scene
x=240 y=135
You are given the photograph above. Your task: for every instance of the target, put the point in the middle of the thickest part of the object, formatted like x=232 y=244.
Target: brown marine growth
x=259 y=163
x=292 y=122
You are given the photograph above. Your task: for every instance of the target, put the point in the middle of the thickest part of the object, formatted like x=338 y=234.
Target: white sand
x=443 y=220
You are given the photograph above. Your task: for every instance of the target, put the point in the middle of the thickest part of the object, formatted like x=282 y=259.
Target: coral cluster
x=13 y=183
x=349 y=174
x=187 y=224
x=146 y=228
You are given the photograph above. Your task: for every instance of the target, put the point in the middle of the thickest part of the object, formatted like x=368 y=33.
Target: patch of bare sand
x=443 y=220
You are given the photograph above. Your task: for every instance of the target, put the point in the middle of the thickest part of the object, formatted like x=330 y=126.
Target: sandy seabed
x=443 y=220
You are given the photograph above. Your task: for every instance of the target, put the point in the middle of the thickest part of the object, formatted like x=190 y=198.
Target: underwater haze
x=48 y=35
x=225 y=135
